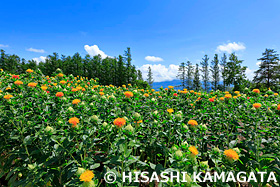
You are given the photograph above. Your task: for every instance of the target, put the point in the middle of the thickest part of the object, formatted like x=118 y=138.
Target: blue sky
x=160 y=33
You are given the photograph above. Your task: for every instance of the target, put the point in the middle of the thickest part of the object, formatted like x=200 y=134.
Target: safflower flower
x=15 y=76
x=128 y=94
x=76 y=101
x=257 y=105
x=9 y=96
x=170 y=110
x=18 y=82
x=59 y=94
x=231 y=154
x=228 y=96
x=192 y=123
x=87 y=176
x=74 y=121
x=256 y=91
x=119 y=122
x=32 y=84
x=193 y=150
x=60 y=75
x=29 y=71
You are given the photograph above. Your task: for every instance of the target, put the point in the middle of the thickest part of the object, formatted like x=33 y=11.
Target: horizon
x=161 y=34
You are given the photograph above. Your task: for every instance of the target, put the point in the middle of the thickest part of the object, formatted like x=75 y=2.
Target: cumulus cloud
x=153 y=59
x=2 y=45
x=231 y=47
x=40 y=59
x=94 y=50
x=160 y=72
x=258 y=63
x=36 y=50
x=250 y=73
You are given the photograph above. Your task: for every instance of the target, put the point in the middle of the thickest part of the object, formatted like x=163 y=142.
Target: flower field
x=70 y=131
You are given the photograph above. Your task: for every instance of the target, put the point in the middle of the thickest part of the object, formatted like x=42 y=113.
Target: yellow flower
x=275 y=94
x=193 y=150
x=170 y=110
x=256 y=91
x=32 y=84
x=228 y=96
x=192 y=123
x=101 y=93
x=62 y=82
x=222 y=98
x=146 y=95
x=170 y=87
x=29 y=71
x=257 y=105
x=76 y=101
x=87 y=176
x=231 y=154
x=18 y=82
x=9 y=96
x=128 y=94
x=44 y=88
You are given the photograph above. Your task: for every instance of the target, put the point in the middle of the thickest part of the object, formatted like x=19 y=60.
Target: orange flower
x=119 y=122
x=175 y=94
x=257 y=105
x=18 y=82
x=29 y=71
x=76 y=101
x=211 y=99
x=192 y=123
x=228 y=96
x=74 y=90
x=87 y=176
x=193 y=150
x=74 y=121
x=62 y=82
x=128 y=94
x=170 y=87
x=256 y=91
x=231 y=154
x=59 y=94
x=9 y=96
x=146 y=95
x=101 y=93
x=32 y=84
x=60 y=75
x=278 y=107
x=222 y=98
x=170 y=110
x=44 y=88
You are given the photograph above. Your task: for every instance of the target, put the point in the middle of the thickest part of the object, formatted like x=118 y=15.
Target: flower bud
x=80 y=171
x=49 y=129
x=129 y=128
x=70 y=109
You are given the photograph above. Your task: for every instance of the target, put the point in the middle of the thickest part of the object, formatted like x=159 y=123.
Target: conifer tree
x=196 y=80
x=223 y=64
x=205 y=72
x=182 y=74
x=150 y=79
x=189 y=75
x=215 y=72
x=268 y=72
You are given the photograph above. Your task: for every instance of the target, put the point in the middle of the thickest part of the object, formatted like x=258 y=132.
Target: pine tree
x=128 y=59
x=215 y=72
x=189 y=75
x=268 y=71
x=150 y=79
x=139 y=75
x=223 y=64
x=235 y=73
x=205 y=72
x=182 y=74
x=196 y=80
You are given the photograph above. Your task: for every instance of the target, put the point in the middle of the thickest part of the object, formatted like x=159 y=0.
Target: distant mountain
x=165 y=84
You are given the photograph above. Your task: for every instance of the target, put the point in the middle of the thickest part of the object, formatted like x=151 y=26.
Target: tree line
x=117 y=71
x=219 y=74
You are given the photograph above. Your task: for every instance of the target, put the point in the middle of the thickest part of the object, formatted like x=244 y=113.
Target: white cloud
x=153 y=59
x=258 y=63
x=36 y=50
x=40 y=59
x=249 y=73
x=2 y=45
x=231 y=47
x=94 y=50
x=160 y=72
